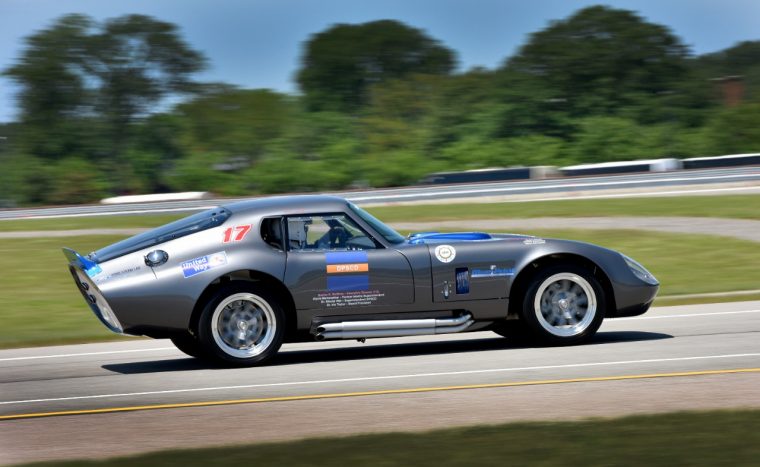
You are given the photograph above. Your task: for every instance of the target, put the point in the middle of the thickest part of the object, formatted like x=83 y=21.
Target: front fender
x=628 y=290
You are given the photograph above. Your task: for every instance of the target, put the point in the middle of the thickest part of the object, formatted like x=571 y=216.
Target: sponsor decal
x=463 y=281
x=203 y=264
x=93 y=271
x=348 y=283
x=533 y=241
x=342 y=268
x=124 y=273
x=342 y=299
x=236 y=234
x=445 y=253
x=493 y=271
x=346 y=271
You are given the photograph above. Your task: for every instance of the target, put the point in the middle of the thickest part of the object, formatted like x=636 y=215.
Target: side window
x=321 y=232
x=271 y=232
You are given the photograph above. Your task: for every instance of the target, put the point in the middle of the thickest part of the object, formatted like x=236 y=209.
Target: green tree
x=601 y=59
x=53 y=97
x=236 y=122
x=83 y=81
x=743 y=59
x=340 y=64
x=602 y=139
x=735 y=130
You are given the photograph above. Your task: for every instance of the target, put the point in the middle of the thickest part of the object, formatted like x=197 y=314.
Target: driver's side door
x=336 y=266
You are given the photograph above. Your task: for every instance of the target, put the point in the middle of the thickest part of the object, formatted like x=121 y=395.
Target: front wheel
x=563 y=305
x=242 y=324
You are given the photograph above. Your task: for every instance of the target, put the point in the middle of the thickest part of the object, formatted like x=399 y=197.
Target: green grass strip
x=713 y=438
x=730 y=206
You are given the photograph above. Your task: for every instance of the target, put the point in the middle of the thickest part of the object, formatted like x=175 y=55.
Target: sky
x=258 y=43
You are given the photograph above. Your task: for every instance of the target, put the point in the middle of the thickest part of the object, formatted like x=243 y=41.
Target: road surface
x=143 y=395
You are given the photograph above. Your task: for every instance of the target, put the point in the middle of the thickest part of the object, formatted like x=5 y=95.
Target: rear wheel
x=188 y=344
x=242 y=324
x=563 y=305
x=514 y=330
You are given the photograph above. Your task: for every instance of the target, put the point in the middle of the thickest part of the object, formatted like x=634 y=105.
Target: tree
x=79 y=78
x=743 y=59
x=136 y=62
x=601 y=59
x=53 y=97
x=734 y=130
x=340 y=64
x=238 y=122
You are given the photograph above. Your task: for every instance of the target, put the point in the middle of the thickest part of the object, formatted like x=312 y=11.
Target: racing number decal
x=240 y=232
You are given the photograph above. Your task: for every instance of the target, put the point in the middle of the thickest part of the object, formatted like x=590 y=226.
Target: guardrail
x=734 y=160
x=603 y=168
x=153 y=198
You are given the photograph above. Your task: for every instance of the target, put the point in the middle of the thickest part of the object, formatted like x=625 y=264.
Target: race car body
x=235 y=282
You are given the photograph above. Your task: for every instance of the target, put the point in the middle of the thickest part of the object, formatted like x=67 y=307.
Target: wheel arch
x=532 y=267
x=248 y=275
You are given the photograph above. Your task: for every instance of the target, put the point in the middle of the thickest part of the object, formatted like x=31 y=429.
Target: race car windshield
x=389 y=234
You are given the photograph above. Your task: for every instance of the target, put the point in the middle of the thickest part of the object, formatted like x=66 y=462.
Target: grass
x=729 y=206
x=39 y=304
x=93 y=222
x=692 y=438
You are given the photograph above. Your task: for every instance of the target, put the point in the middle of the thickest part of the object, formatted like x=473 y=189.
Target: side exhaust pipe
x=392 y=328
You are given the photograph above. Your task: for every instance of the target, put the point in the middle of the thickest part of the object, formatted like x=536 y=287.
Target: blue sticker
x=93 y=271
x=338 y=257
x=203 y=264
x=463 y=281
x=493 y=272
x=350 y=283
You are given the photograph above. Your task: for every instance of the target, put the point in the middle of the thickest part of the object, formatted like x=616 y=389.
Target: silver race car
x=233 y=283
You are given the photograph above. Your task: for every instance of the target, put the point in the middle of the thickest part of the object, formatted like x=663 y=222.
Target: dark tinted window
x=189 y=225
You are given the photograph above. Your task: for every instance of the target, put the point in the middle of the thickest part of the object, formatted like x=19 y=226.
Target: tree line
x=113 y=108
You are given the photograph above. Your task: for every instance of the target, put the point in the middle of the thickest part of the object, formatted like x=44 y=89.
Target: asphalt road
x=708 y=181
x=144 y=395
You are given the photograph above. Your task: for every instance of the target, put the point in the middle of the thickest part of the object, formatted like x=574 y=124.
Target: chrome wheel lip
x=585 y=320
x=265 y=325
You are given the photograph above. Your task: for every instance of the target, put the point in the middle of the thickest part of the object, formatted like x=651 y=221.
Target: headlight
x=639 y=270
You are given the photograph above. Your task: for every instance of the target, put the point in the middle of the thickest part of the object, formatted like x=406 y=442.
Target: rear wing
x=91 y=268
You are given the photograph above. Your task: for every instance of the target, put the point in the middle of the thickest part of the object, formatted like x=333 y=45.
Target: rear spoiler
x=91 y=268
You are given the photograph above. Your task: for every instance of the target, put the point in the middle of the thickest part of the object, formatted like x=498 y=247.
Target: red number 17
x=240 y=232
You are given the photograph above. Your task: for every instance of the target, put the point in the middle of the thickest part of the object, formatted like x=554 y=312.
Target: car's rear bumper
x=90 y=291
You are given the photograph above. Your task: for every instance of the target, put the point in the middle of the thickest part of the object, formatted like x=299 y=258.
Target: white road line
x=83 y=354
x=380 y=378
x=691 y=315
x=612 y=320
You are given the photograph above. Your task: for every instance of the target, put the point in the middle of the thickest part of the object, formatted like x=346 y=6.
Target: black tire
x=241 y=301
x=514 y=330
x=188 y=344
x=541 y=313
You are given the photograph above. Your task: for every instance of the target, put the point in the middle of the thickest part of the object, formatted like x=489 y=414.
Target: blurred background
x=113 y=98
